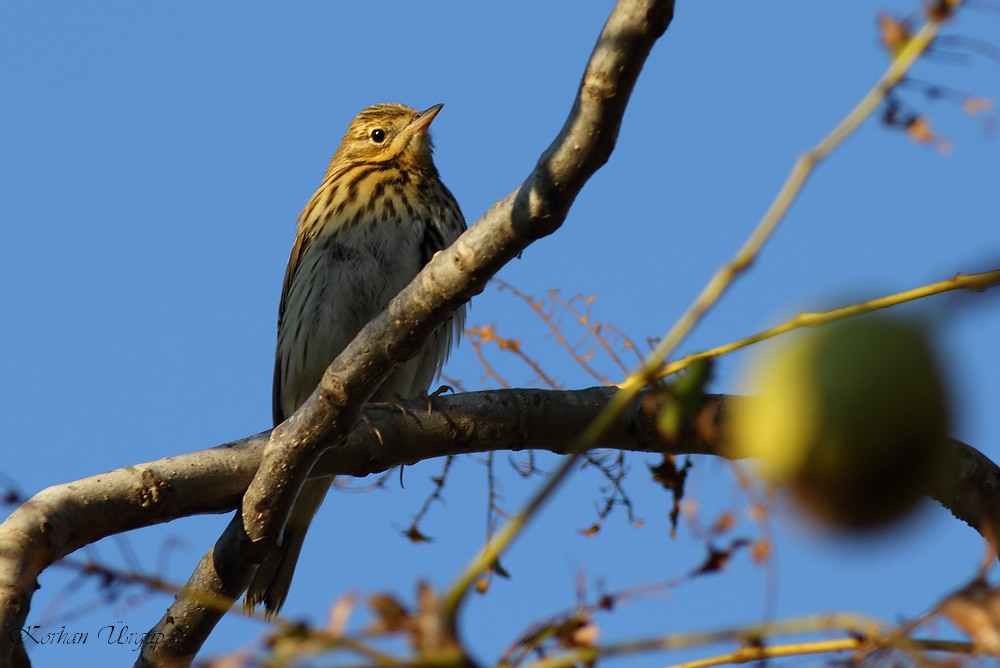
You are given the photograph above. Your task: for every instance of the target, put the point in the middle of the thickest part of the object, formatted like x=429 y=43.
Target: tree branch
x=63 y=518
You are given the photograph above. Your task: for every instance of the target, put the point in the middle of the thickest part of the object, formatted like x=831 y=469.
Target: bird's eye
x=378 y=135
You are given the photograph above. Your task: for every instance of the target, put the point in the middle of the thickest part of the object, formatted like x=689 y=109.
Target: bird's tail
x=274 y=575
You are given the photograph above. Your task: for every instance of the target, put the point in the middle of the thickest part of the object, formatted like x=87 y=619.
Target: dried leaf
x=723 y=523
x=390 y=614
x=758 y=512
x=919 y=130
x=761 y=551
x=717 y=559
x=666 y=473
x=585 y=635
x=894 y=34
x=429 y=634
x=577 y=631
x=340 y=612
x=939 y=10
x=977 y=105
x=673 y=479
x=415 y=536
x=976 y=610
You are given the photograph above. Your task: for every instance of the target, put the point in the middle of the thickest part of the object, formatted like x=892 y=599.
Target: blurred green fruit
x=851 y=417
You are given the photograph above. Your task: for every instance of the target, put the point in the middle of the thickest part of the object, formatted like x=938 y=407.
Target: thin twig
x=980 y=281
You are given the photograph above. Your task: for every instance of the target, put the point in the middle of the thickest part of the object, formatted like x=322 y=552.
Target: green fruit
x=851 y=417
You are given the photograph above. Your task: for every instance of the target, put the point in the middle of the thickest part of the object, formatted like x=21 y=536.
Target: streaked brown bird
x=379 y=216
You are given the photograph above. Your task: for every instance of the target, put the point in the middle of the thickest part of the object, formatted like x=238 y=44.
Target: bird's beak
x=424 y=118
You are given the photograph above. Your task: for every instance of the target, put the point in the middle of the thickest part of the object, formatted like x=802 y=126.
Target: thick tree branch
x=63 y=518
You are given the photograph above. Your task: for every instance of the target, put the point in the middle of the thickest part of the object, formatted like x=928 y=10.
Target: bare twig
x=980 y=281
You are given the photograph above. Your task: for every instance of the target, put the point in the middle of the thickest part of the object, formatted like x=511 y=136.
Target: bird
x=379 y=215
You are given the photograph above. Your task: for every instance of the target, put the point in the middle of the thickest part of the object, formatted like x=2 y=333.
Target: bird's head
x=389 y=131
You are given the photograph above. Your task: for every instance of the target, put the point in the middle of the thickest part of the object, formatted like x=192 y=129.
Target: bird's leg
x=443 y=389
x=371 y=427
x=395 y=406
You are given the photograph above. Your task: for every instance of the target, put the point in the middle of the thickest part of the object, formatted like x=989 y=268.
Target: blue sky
x=154 y=160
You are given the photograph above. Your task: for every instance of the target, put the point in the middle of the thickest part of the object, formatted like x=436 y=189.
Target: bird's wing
x=299 y=247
